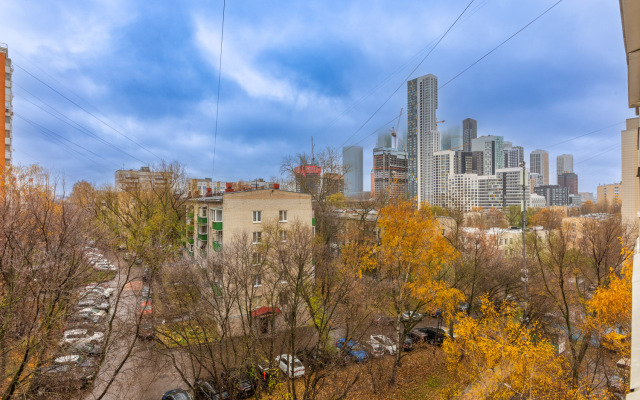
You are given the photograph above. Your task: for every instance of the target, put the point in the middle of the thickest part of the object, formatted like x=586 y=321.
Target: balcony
x=216 y=246
x=202 y=236
x=190 y=240
x=216 y=226
x=190 y=215
x=202 y=220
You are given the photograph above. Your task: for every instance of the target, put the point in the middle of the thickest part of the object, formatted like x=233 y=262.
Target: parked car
x=463 y=307
x=437 y=313
x=267 y=374
x=434 y=335
x=146 y=308
x=208 y=389
x=87 y=348
x=89 y=314
x=417 y=336
x=290 y=365
x=408 y=344
x=177 y=394
x=147 y=330
x=73 y=335
x=412 y=316
x=313 y=358
x=68 y=373
x=382 y=343
x=239 y=382
x=353 y=349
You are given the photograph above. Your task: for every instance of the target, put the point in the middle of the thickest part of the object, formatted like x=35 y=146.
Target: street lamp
x=525 y=271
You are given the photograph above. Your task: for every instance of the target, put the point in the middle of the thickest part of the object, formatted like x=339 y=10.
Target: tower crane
x=394 y=130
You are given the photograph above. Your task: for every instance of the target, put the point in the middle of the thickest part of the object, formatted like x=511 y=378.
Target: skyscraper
x=469 y=132
x=539 y=163
x=352 y=161
x=423 y=138
x=493 y=152
x=6 y=97
x=513 y=155
x=389 y=170
x=570 y=181
x=564 y=163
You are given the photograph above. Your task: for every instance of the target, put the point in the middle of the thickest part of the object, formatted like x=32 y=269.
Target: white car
x=73 y=335
x=382 y=343
x=413 y=316
x=290 y=365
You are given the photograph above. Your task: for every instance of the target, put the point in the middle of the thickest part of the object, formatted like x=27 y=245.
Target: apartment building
x=609 y=193
x=142 y=179
x=6 y=97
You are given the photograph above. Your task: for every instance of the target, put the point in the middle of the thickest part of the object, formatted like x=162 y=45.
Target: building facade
x=6 y=96
x=423 y=138
x=570 y=181
x=630 y=187
x=142 y=179
x=469 y=132
x=390 y=172
x=608 y=193
x=513 y=155
x=492 y=148
x=564 y=163
x=512 y=188
x=539 y=164
x=555 y=195
x=353 y=177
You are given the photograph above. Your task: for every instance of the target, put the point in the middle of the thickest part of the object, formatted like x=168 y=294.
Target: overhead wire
x=215 y=134
x=412 y=71
x=87 y=111
x=501 y=44
x=74 y=124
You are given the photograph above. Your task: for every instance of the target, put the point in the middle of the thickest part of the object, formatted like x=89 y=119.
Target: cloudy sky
x=102 y=85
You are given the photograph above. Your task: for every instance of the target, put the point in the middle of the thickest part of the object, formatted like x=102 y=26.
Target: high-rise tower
x=352 y=161
x=539 y=164
x=423 y=138
x=469 y=132
x=6 y=97
x=564 y=163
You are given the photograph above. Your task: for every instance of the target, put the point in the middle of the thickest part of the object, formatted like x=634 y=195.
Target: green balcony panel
x=190 y=215
x=217 y=226
x=190 y=228
x=313 y=222
x=202 y=220
x=202 y=236
x=217 y=246
x=190 y=240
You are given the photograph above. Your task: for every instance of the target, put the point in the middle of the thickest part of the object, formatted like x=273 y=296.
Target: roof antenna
x=313 y=158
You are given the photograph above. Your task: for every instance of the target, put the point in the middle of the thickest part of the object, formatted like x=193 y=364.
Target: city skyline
x=150 y=72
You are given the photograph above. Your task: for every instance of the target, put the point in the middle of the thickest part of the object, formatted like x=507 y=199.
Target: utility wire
x=500 y=45
x=411 y=73
x=585 y=134
x=75 y=125
x=88 y=112
x=376 y=130
x=215 y=134
x=610 y=148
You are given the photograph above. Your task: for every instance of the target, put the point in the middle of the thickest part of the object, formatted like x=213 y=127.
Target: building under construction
x=390 y=169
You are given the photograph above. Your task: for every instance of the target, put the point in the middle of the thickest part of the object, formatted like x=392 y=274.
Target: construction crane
x=394 y=130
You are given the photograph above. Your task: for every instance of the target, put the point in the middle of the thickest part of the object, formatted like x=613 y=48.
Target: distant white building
x=537 y=201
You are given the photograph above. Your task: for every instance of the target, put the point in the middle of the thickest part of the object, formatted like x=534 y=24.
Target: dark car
x=417 y=336
x=314 y=358
x=433 y=335
x=177 y=394
x=207 y=389
x=239 y=382
x=407 y=345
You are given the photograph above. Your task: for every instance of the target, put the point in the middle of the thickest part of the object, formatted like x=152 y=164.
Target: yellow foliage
x=498 y=357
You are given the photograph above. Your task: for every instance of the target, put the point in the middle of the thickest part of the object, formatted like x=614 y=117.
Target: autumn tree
x=406 y=261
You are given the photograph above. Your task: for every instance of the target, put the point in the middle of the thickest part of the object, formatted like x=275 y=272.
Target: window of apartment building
x=257 y=280
x=219 y=237
x=256 y=258
x=283 y=236
x=216 y=215
x=203 y=212
x=257 y=216
x=257 y=237
x=604 y=190
x=616 y=190
x=282 y=216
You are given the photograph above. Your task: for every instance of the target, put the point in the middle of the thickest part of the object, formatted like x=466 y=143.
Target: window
x=282 y=217
x=257 y=216
x=216 y=215
x=257 y=237
x=219 y=237
x=257 y=280
x=256 y=258
x=283 y=236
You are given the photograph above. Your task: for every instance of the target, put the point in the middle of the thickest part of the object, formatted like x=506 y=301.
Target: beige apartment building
x=218 y=219
x=142 y=179
x=609 y=193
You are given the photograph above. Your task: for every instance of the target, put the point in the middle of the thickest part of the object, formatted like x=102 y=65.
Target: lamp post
x=525 y=271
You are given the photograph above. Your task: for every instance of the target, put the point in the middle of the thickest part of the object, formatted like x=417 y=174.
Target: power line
x=500 y=45
x=608 y=149
x=75 y=125
x=411 y=73
x=585 y=134
x=376 y=130
x=88 y=112
x=215 y=134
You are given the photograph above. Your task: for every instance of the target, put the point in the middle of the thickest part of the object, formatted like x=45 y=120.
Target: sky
x=102 y=85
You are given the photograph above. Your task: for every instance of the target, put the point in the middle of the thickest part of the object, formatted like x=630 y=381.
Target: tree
x=406 y=262
x=498 y=357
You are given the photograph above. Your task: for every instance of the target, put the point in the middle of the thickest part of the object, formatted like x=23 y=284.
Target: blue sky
x=140 y=80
